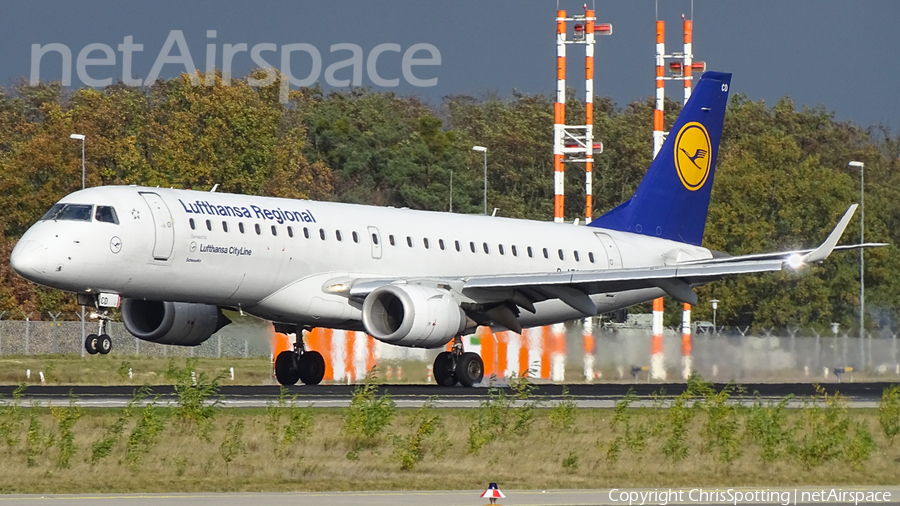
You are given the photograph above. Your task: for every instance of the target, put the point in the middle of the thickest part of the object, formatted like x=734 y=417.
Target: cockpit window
x=72 y=212
x=51 y=214
x=106 y=214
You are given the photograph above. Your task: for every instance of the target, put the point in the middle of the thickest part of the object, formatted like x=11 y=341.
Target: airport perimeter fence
x=617 y=353
x=23 y=337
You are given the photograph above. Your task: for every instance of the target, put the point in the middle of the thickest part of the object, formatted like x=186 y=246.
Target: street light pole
x=483 y=150
x=81 y=138
x=715 y=304
x=862 y=282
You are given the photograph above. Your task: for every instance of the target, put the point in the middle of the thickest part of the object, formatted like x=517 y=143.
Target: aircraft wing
x=506 y=291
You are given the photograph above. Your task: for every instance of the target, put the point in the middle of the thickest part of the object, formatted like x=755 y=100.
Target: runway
x=605 y=395
x=605 y=497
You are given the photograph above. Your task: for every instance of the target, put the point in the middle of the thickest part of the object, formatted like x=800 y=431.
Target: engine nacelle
x=175 y=323
x=412 y=315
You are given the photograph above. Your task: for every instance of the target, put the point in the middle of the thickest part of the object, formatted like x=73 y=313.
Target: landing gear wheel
x=469 y=369
x=311 y=366
x=90 y=344
x=286 y=370
x=444 y=374
x=104 y=344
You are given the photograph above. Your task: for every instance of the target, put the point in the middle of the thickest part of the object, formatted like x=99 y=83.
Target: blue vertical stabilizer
x=673 y=198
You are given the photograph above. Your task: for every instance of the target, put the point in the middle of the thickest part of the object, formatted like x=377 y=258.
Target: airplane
x=179 y=260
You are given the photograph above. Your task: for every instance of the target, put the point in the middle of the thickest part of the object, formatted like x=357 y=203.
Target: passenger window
x=425 y=241
x=225 y=226
x=208 y=225
x=409 y=241
x=562 y=256
x=515 y=251
x=591 y=256
x=274 y=230
x=441 y=243
x=337 y=234
x=485 y=247
x=457 y=245
x=355 y=237
x=546 y=253
x=306 y=232
x=500 y=249
x=191 y=221
x=240 y=227
x=106 y=214
x=576 y=257
x=290 y=232
x=322 y=233
x=391 y=240
x=374 y=238
x=530 y=252
x=472 y=246
x=258 y=230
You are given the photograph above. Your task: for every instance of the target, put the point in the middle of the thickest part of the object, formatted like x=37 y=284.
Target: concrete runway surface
x=606 y=497
x=598 y=395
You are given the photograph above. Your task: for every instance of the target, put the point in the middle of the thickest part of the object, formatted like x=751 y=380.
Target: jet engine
x=412 y=315
x=176 y=323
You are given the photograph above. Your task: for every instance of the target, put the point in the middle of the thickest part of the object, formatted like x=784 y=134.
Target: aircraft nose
x=29 y=258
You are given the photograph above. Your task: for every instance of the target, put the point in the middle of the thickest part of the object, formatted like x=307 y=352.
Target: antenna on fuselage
x=213 y=190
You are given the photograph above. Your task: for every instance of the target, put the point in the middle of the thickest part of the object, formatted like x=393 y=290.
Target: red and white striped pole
x=587 y=335
x=559 y=117
x=658 y=134
x=688 y=36
x=589 y=114
x=657 y=360
x=686 y=361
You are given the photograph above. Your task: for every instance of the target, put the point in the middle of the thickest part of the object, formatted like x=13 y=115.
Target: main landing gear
x=299 y=364
x=455 y=366
x=101 y=342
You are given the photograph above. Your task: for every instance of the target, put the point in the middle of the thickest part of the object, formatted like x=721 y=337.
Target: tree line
x=782 y=179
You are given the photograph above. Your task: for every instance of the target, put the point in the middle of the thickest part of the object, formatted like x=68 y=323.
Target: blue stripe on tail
x=673 y=198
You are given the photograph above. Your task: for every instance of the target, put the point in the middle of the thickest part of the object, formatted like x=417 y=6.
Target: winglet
x=822 y=252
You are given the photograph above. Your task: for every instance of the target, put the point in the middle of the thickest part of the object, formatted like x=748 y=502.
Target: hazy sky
x=842 y=54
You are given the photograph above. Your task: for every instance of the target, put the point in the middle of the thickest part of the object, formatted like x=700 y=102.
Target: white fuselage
x=289 y=250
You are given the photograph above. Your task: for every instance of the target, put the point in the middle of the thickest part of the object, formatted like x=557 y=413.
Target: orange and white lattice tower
x=575 y=143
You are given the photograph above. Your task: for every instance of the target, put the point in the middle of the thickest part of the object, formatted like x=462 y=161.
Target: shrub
x=299 y=422
x=767 y=427
x=11 y=416
x=410 y=449
x=562 y=414
x=66 y=418
x=145 y=434
x=889 y=412
x=104 y=447
x=197 y=400
x=233 y=444
x=367 y=416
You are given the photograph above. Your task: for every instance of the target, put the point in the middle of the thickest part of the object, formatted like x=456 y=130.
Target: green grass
x=284 y=447
x=113 y=370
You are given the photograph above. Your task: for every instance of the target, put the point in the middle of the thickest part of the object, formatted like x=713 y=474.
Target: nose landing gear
x=454 y=366
x=101 y=342
x=299 y=364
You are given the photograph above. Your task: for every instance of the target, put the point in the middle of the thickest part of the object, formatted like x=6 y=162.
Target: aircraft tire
x=312 y=368
x=444 y=375
x=90 y=344
x=286 y=371
x=469 y=369
x=104 y=344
